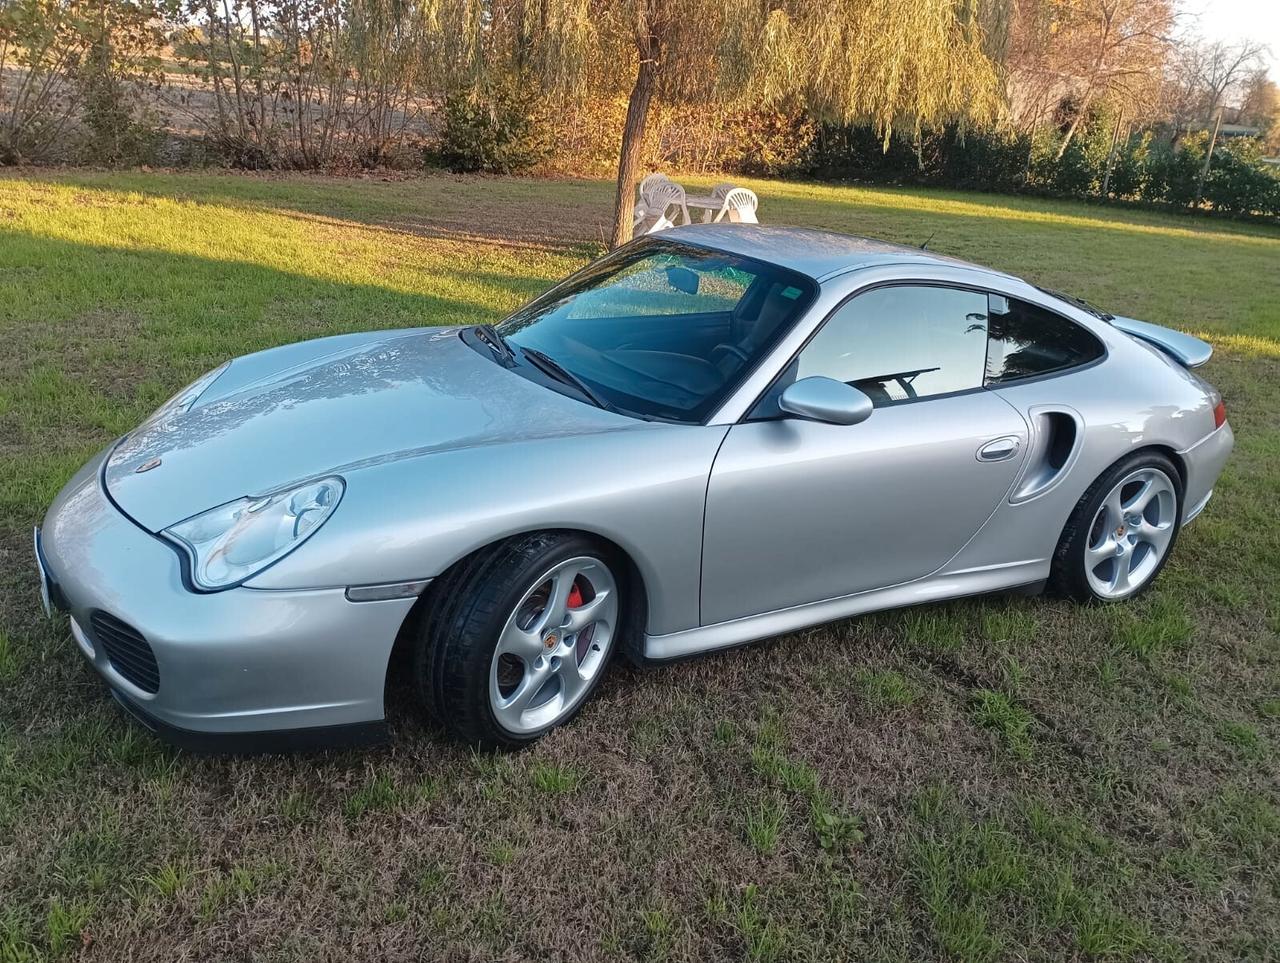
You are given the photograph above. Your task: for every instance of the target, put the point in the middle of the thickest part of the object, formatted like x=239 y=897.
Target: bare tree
x=1222 y=69
x=1113 y=48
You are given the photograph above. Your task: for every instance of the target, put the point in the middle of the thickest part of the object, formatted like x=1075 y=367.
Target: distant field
x=987 y=780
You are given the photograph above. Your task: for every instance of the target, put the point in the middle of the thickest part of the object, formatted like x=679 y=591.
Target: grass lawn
x=986 y=780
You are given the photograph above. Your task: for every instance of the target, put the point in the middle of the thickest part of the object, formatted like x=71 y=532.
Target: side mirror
x=826 y=400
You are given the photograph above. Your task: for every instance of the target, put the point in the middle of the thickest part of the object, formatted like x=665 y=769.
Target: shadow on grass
x=1192 y=273
x=569 y=217
x=96 y=337
x=127 y=304
x=573 y=214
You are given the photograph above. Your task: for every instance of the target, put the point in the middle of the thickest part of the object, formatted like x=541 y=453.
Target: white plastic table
x=709 y=204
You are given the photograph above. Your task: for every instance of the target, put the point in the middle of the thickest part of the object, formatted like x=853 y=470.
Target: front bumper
x=243 y=669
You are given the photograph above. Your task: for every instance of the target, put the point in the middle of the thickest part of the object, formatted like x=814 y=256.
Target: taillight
x=1219 y=414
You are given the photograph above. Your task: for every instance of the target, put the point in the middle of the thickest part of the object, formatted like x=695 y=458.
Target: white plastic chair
x=653 y=205
x=650 y=180
x=718 y=192
x=740 y=206
x=652 y=225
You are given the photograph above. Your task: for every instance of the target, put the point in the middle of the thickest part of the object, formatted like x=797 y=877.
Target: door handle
x=998 y=449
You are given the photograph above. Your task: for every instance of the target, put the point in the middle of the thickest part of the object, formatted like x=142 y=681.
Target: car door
x=800 y=511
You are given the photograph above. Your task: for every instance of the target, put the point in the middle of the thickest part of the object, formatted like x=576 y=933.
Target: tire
x=1121 y=532
x=488 y=663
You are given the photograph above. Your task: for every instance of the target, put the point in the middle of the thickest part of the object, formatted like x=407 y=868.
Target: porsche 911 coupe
x=709 y=436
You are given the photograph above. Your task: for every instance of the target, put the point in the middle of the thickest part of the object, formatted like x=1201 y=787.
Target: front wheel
x=1122 y=531
x=518 y=637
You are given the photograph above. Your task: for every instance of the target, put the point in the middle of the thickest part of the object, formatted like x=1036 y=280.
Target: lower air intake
x=128 y=651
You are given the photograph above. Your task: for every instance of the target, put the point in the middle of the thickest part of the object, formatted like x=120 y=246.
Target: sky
x=1234 y=20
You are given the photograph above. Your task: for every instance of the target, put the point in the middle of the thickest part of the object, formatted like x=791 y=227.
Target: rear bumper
x=1204 y=462
x=240 y=670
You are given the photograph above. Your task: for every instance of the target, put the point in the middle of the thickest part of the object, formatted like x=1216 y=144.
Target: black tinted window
x=903 y=342
x=1026 y=341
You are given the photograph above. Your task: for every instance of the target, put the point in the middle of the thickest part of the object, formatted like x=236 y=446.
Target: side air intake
x=1055 y=439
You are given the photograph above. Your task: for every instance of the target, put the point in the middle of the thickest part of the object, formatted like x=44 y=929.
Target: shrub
x=497 y=130
x=767 y=143
x=985 y=160
x=1129 y=173
x=1238 y=182
x=40 y=45
x=119 y=63
x=71 y=74
x=1172 y=170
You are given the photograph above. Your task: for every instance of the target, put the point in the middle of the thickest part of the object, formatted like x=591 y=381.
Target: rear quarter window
x=1025 y=341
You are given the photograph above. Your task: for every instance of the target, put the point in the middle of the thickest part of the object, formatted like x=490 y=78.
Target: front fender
x=642 y=488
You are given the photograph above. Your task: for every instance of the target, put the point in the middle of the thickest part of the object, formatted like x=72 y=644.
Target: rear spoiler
x=1188 y=351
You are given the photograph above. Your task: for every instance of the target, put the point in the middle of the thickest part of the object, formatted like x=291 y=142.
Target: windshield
x=662 y=329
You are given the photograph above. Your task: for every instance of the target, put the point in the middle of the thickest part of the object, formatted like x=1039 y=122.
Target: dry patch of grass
x=1004 y=778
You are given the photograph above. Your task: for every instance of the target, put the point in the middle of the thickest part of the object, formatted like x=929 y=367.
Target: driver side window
x=903 y=342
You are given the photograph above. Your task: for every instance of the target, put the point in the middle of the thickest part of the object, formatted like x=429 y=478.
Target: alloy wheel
x=553 y=645
x=1130 y=533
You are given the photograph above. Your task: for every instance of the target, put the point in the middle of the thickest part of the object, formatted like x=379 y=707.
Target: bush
x=117 y=66
x=766 y=143
x=71 y=75
x=1142 y=168
x=1172 y=170
x=499 y=130
x=985 y=160
x=1238 y=182
x=1129 y=173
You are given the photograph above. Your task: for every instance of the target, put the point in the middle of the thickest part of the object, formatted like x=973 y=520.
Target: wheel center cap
x=1120 y=531
x=550 y=640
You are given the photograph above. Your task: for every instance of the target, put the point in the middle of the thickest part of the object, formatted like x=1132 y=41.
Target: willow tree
x=892 y=63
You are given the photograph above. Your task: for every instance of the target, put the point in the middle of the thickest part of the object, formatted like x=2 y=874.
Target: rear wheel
x=518 y=637
x=1122 y=531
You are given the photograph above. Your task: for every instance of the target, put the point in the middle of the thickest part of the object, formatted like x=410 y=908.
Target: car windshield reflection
x=662 y=329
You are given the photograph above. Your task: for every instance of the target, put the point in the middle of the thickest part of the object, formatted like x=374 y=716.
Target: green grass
x=887 y=687
x=553 y=779
x=996 y=711
x=984 y=780
x=764 y=824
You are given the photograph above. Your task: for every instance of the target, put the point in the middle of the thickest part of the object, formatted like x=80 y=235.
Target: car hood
x=332 y=406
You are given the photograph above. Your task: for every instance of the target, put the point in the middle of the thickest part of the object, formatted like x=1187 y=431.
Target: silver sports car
x=707 y=437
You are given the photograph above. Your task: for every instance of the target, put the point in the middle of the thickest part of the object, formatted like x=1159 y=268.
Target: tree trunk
x=1081 y=112
x=1111 y=155
x=1208 y=157
x=632 y=147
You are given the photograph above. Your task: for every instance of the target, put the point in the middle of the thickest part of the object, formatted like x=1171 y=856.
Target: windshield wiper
x=558 y=371
x=494 y=339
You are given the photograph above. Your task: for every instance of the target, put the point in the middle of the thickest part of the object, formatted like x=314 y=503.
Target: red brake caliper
x=584 y=637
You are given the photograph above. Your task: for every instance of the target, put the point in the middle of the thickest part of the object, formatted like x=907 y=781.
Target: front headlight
x=189 y=395
x=234 y=542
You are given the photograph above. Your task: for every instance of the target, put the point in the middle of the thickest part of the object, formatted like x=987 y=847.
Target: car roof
x=816 y=253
